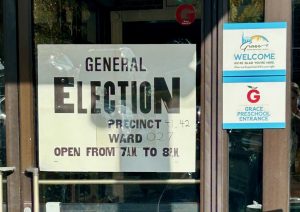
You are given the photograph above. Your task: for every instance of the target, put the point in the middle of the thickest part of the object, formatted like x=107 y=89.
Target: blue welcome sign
x=254 y=75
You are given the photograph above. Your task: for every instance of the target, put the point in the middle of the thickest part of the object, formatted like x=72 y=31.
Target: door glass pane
x=3 y=55
x=2 y=93
x=245 y=168
x=122 y=22
x=245 y=146
x=295 y=117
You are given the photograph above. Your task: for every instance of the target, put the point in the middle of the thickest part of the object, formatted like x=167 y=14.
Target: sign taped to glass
x=117 y=108
x=254 y=75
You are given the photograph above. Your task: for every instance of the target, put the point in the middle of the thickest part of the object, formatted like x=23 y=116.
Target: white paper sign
x=117 y=108
x=254 y=49
x=254 y=102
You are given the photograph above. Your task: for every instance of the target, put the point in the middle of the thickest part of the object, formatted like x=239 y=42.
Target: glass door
x=125 y=23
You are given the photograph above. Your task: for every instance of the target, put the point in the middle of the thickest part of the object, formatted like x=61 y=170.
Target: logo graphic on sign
x=185 y=14
x=255 y=42
x=254 y=66
x=253 y=95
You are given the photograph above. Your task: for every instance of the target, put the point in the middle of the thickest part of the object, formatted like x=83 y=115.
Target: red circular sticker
x=185 y=14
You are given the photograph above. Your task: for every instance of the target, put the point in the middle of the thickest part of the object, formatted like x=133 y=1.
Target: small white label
x=27 y=209
x=53 y=207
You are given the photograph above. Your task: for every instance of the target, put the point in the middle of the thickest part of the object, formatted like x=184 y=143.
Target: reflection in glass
x=245 y=168
x=295 y=116
x=246 y=10
x=161 y=193
x=294 y=146
x=64 y=21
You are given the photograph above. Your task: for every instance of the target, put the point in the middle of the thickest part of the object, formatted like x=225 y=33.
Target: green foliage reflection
x=246 y=10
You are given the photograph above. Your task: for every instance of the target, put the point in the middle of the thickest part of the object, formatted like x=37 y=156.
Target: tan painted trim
x=222 y=136
x=26 y=99
x=206 y=201
x=276 y=142
x=214 y=190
